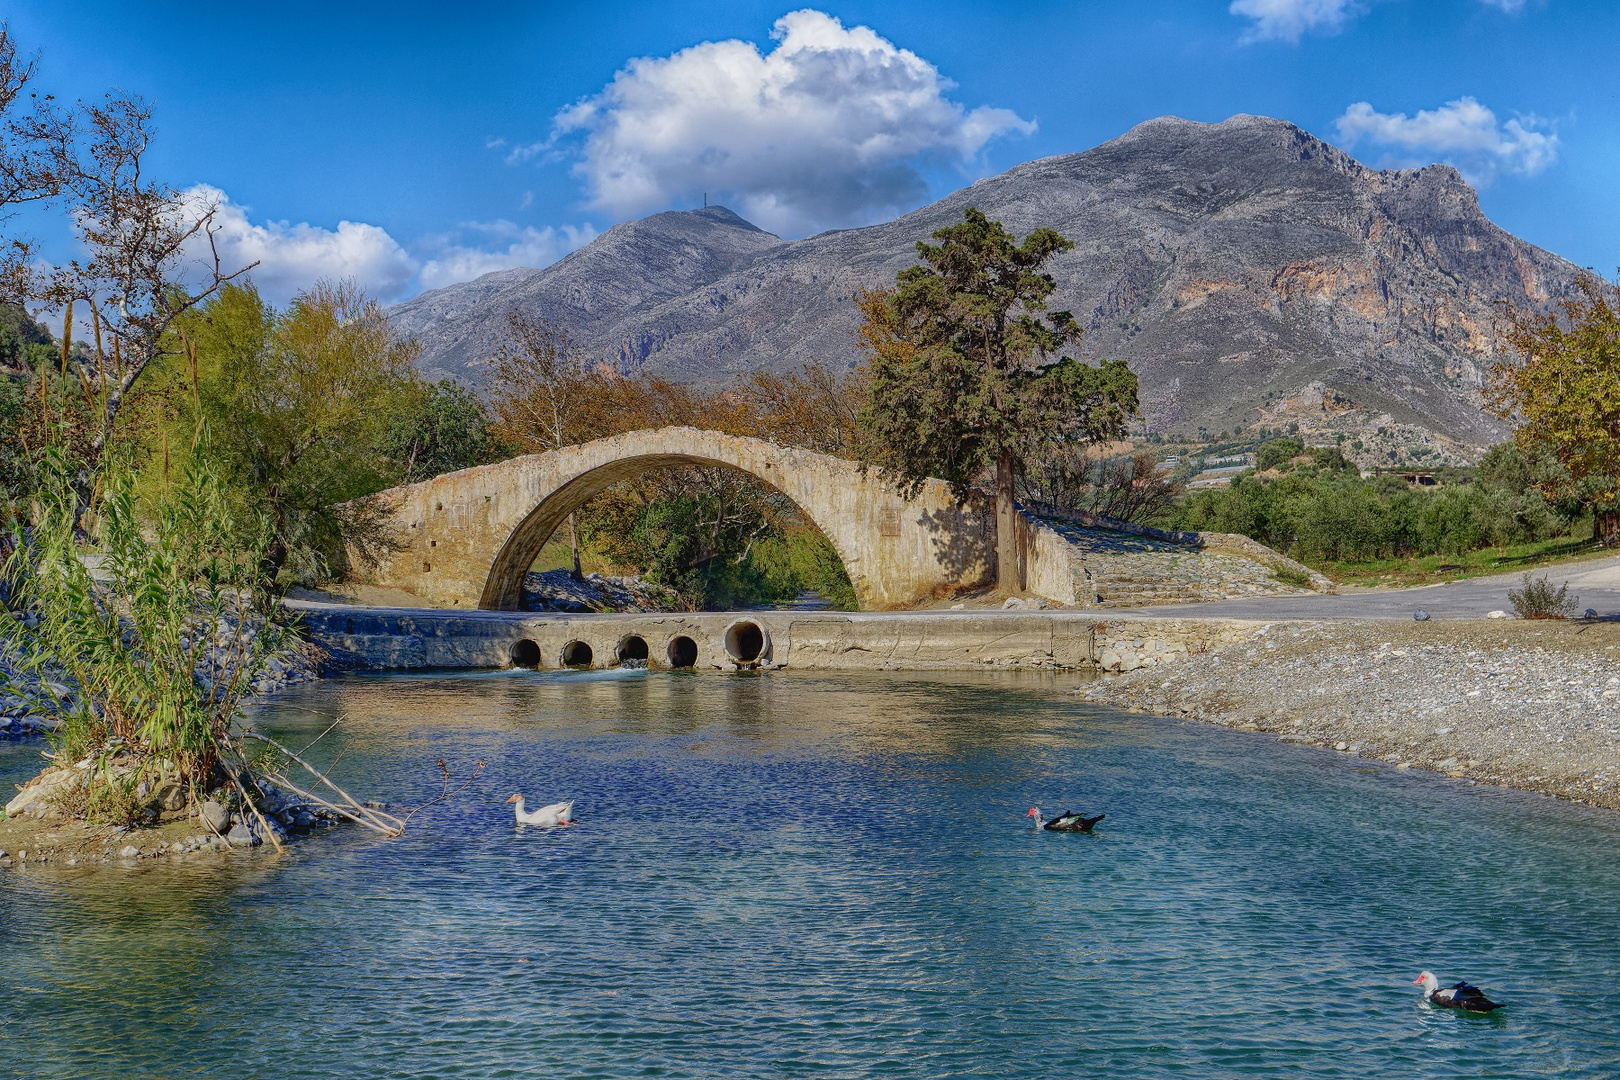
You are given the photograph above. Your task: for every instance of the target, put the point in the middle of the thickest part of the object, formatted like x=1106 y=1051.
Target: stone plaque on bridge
x=889 y=522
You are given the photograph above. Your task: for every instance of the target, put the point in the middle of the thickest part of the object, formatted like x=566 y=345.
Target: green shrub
x=1537 y=599
x=1275 y=452
x=1321 y=511
x=1288 y=576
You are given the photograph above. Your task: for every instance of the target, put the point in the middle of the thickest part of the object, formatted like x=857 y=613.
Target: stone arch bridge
x=467 y=538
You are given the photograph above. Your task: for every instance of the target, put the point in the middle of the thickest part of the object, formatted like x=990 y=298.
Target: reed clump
x=143 y=644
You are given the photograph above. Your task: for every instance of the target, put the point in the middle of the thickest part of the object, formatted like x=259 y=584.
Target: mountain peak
x=711 y=221
x=720 y=215
x=1233 y=265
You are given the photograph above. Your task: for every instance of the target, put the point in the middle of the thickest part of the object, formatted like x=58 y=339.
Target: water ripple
x=814 y=876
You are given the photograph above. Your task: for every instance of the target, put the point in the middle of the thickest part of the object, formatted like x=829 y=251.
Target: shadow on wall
x=964 y=542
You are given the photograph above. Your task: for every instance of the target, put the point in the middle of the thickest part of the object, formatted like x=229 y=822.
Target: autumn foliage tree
x=1563 y=395
x=546 y=395
x=816 y=406
x=966 y=377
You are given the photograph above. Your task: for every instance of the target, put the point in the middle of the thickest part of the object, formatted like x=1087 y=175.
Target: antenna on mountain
x=705 y=200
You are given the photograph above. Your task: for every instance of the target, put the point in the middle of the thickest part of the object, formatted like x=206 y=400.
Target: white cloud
x=1462 y=133
x=1289 y=20
x=292 y=257
x=513 y=245
x=832 y=127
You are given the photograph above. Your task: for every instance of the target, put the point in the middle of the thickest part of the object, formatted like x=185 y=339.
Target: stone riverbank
x=1531 y=705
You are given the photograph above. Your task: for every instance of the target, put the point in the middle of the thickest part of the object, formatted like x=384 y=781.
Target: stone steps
x=1114 y=570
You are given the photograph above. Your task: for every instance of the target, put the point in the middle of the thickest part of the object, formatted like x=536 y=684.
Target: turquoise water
x=815 y=876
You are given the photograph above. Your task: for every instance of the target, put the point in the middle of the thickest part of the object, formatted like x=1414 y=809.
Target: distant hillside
x=1248 y=271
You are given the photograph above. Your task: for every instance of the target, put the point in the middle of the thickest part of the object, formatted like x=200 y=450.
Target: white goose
x=554 y=816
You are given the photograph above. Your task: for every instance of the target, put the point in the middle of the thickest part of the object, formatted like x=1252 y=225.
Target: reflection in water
x=801 y=874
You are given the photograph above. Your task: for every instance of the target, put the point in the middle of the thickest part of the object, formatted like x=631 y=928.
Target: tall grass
x=157 y=631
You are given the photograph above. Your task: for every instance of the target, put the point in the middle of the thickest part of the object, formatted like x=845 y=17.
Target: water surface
x=814 y=875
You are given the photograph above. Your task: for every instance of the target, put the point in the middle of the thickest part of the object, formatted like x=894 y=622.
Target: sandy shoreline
x=1531 y=705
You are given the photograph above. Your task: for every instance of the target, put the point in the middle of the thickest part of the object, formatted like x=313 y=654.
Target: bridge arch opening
x=503 y=589
x=632 y=647
x=525 y=654
x=682 y=652
x=577 y=654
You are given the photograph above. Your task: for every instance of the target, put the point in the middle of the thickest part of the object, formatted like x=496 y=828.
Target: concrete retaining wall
x=382 y=638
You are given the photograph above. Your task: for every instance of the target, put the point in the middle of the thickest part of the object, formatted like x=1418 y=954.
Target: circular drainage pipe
x=525 y=653
x=682 y=652
x=747 y=642
x=632 y=647
x=576 y=654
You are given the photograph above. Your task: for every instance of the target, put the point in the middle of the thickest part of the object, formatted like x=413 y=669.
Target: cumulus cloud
x=292 y=257
x=1462 y=133
x=503 y=245
x=832 y=127
x=1289 y=20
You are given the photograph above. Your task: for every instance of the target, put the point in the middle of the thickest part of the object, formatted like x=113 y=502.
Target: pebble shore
x=1530 y=705
x=33 y=832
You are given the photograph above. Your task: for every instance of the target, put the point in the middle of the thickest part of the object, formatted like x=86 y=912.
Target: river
x=799 y=875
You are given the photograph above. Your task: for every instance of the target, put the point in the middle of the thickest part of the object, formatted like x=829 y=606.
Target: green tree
x=964 y=373
x=1274 y=453
x=441 y=428
x=1563 y=395
x=304 y=406
x=24 y=343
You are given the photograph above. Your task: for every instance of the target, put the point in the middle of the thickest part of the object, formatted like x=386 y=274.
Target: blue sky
x=411 y=145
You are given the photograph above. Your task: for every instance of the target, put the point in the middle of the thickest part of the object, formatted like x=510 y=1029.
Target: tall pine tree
x=966 y=376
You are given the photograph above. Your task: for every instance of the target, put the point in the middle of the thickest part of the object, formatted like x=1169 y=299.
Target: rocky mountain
x=1250 y=272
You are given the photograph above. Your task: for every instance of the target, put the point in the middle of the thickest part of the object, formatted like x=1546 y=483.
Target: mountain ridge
x=1245 y=269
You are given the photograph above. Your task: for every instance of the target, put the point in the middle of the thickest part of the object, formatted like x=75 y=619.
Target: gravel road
x=1596 y=583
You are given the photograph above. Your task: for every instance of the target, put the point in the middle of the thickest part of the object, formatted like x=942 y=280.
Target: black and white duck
x=1064 y=822
x=1459 y=996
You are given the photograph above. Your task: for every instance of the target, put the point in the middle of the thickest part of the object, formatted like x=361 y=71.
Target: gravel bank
x=1533 y=705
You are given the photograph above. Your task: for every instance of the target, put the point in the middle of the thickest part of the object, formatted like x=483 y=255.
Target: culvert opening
x=576 y=654
x=745 y=641
x=633 y=647
x=682 y=652
x=525 y=653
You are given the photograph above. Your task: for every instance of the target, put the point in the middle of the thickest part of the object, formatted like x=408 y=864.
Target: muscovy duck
x=1461 y=996
x=1064 y=822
